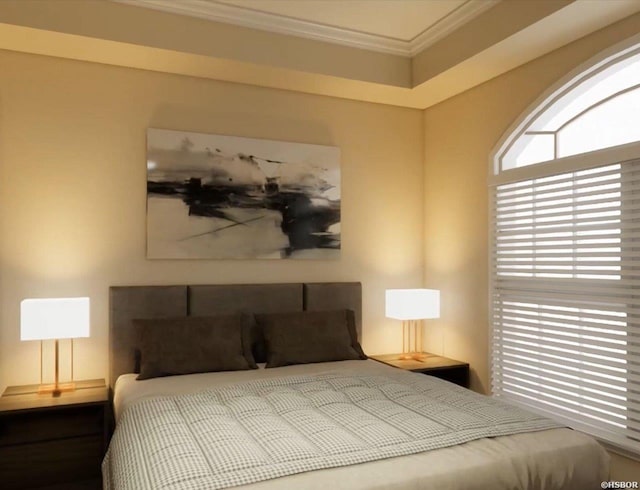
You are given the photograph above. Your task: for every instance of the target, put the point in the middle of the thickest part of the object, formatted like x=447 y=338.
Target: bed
x=350 y=424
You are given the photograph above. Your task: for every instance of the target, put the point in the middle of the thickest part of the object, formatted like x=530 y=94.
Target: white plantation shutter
x=565 y=298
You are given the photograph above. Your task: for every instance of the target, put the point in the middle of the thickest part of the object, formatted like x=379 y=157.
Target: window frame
x=611 y=155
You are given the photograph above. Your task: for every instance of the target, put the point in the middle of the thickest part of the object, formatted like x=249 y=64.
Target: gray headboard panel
x=130 y=302
x=322 y=296
x=252 y=298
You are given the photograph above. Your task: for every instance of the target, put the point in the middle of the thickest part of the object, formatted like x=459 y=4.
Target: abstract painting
x=226 y=197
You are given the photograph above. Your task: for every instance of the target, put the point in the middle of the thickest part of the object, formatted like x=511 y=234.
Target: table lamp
x=54 y=319
x=412 y=306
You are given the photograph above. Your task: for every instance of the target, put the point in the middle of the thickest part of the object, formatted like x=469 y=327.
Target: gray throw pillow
x=187 y=345
x=310 y=336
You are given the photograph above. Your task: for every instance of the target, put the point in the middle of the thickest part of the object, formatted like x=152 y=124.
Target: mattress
x=548 y=459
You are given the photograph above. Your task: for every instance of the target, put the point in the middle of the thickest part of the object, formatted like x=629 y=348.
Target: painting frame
x=212 y=196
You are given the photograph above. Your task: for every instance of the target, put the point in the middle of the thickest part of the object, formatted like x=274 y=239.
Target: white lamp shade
x=412 y=304
x=54 y=318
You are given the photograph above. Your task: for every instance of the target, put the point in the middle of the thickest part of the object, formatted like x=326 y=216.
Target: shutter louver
x=565 y=298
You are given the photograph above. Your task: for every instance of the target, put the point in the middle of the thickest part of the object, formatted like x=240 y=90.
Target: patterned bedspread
x=270 y=428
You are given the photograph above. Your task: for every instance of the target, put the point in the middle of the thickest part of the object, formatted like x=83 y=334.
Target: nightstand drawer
x=49 y=463
x=64 y=422
x=457 y=375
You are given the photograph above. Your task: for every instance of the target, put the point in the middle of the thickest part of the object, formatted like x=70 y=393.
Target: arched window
x=565 y=252
x=598 y=109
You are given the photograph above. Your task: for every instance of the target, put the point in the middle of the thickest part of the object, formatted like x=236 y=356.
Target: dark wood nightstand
x=441 y=367
x=53 y=442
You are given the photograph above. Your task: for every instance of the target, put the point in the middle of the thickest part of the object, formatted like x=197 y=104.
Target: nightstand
x=53 y=442
x=441 y=367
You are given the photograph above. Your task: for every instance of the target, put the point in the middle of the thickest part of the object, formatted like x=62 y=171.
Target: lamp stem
x=41 y=362
x=406 y=345
x=72 y=360
x=412 y=346
x=56 y=387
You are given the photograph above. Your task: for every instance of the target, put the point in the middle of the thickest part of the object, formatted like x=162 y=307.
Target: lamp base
x=414 y=356
x=56 y=389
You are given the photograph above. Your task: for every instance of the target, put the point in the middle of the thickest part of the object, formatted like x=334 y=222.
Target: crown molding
x=243 y=17
x=254 y=19
x=449 y=23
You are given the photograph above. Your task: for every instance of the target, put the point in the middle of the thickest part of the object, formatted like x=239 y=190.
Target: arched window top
x=597 y=108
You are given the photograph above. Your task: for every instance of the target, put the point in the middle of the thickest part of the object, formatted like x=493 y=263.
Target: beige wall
x=72 y=191
x=460 y=134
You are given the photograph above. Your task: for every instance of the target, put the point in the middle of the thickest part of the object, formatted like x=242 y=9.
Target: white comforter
x=551 y=459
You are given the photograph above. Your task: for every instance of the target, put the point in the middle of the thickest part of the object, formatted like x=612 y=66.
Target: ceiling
x=408 y=53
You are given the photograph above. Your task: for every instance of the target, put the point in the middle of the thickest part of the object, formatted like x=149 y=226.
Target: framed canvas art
x=226 y=197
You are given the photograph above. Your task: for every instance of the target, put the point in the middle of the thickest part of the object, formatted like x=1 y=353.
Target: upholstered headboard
x=130 y=302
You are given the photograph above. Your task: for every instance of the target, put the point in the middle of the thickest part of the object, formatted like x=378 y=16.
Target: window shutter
x=565 y=298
